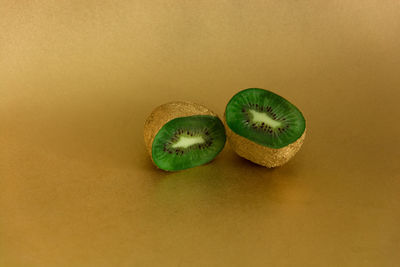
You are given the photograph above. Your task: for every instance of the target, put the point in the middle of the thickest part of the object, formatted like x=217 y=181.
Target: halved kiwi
x=263 y=127
x=182 y=135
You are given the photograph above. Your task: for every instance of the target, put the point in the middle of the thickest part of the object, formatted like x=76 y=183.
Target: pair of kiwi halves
x=260 y=125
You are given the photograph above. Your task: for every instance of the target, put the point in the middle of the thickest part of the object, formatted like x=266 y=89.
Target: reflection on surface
x=228 y=180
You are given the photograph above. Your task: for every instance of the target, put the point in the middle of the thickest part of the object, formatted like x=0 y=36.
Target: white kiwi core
x=263 y=117
x=187 y=141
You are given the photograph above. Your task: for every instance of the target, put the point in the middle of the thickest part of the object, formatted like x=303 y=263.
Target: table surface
x=79 y=78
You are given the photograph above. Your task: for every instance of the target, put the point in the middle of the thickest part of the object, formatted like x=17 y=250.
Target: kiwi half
x=263 y=127
x=182 y=135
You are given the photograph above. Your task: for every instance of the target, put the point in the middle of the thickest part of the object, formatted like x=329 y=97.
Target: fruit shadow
x=228 y=180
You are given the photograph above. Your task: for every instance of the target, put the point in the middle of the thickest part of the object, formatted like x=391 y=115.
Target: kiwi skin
x=262 y=155
x=166 y=112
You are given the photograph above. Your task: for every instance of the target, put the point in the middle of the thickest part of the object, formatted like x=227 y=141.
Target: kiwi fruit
x=263 y=127
x=181 y=135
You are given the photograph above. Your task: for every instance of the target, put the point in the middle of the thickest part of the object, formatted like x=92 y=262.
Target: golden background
x=78 y=79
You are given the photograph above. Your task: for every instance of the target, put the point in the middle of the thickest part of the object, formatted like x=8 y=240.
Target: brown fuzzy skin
x=166 y=112
x=262 y=155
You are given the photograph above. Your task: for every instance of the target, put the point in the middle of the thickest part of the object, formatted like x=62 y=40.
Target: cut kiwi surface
x=264 y=127
x=181 y=135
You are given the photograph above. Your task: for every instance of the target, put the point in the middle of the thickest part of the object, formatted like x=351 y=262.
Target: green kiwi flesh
x=186 y=142
x=264 y=118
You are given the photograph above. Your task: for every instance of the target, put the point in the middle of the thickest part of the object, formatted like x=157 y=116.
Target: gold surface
x=79 y=78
